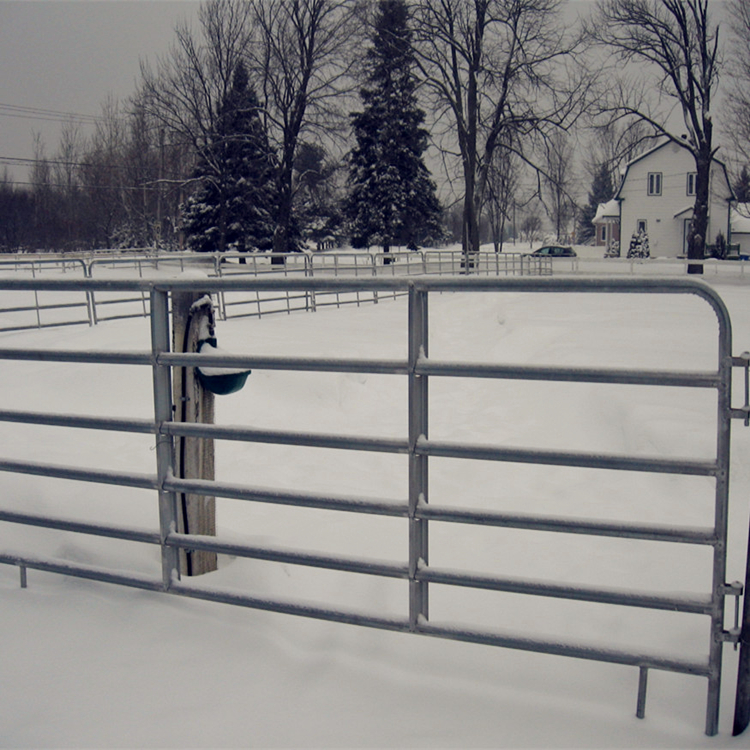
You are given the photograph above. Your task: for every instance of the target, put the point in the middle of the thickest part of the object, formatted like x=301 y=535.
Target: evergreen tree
x=234 y=207
x=392 y=198
x=742 y=186
x=601 y=191
x=639 y=247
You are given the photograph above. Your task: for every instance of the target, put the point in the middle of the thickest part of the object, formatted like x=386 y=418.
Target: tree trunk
x=470 y=238
x=387 y=249
x=699 y=226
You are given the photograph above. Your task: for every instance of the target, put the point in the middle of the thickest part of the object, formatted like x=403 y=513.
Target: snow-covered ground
x=93 y=665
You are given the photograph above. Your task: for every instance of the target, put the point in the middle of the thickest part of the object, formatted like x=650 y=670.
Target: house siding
x=665 y=214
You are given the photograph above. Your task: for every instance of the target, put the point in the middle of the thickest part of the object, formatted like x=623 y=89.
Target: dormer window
x=654 y=183
x=691 y=178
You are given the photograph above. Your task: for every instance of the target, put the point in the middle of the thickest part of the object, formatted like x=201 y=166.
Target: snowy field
x=86 y=664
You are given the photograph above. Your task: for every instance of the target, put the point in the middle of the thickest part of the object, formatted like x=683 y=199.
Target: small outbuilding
x=607 y=224
x=739 y=220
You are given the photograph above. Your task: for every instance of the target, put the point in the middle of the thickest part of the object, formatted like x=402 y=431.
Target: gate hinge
x=744 y=411
x=733 y=634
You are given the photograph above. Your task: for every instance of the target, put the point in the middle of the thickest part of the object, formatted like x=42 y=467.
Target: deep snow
x=92 y=665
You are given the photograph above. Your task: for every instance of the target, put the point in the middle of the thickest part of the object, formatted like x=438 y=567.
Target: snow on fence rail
x=29 y=309
x=414 y=509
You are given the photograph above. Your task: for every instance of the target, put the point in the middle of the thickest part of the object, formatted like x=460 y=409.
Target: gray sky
x=69 y=55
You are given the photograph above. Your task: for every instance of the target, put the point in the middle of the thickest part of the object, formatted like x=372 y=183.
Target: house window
x=691 y=178
x=654 y=183
x=603 y=233
x=641 y=225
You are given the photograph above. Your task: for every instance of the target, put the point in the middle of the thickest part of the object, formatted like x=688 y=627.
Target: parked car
x=555 y=251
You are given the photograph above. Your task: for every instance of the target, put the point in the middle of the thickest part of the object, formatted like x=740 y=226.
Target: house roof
x=656 y=148
x=684 y=211
x=607 y=211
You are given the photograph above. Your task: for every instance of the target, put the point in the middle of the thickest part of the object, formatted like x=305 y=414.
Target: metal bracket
x=743 y=412
x=733 y=634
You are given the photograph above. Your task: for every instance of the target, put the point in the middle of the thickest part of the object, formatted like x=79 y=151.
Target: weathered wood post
x=194 y=457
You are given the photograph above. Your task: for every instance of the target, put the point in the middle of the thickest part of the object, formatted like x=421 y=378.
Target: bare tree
x=302 y=57
x=531 y=227
x=67 y=180
x=557 y=181
x=679 y=42
x=493 y=68
x=102 y=174
x=185 y=90
x=42 y=193
x=502 y=194
x=738 y=101
x=615 y=143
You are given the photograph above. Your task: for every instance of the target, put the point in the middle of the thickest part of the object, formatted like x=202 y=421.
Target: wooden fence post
x=194 y=457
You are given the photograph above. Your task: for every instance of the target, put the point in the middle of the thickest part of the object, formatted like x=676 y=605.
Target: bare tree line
x=517 y=98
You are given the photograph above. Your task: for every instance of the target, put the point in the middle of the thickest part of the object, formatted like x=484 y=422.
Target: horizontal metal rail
x=99 y=476
x=445 y=449
x=279 y=437
x=699 y=605
x=81 y=527
x=348 y=503
x=568 y=374
x=620 y=529
x=79 y=570
x=560 y=648
x=299 y=608
x=74 y=420
x=271 y=554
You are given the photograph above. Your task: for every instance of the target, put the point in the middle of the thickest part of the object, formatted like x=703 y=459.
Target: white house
x=657 y=195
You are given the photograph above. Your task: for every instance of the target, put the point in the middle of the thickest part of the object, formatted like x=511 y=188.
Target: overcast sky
x=69 y=55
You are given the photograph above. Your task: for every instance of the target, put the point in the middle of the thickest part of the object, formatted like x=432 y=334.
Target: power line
x=85 y=187
x=50 y=115
x=17 y=161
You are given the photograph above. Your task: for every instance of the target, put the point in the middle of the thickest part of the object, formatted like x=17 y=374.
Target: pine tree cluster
x=392 y=198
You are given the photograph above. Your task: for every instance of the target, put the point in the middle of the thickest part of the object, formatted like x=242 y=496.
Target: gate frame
x=418 y=368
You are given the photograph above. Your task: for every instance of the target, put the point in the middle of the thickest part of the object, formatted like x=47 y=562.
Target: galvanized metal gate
x=419 y=368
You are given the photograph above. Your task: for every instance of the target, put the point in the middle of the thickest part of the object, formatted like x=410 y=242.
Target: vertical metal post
x=742 y=695
x=164 y=445
x=418 y=478
x=36 y=304
x=720 y=523
x=640 y=710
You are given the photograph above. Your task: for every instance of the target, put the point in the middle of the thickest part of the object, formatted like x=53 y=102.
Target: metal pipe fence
x=32 y=312
x=414 y=506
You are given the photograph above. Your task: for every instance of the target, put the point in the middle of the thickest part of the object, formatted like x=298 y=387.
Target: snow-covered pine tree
x=639 y=247
x=392 y=198
x=235 y=204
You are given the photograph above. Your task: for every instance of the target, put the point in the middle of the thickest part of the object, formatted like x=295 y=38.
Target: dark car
x=555 y=251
